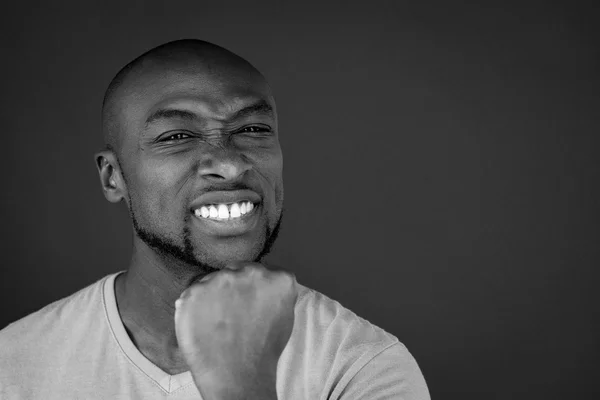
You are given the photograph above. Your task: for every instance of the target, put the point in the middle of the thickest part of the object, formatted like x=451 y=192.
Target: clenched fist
x=232 y=327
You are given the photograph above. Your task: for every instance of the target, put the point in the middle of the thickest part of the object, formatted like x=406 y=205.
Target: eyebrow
x=260 y=107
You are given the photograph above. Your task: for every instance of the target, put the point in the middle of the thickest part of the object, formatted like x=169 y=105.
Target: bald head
x=187 y=56
x=185 y=120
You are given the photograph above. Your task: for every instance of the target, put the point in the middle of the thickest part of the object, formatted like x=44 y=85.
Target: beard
x=183 y=254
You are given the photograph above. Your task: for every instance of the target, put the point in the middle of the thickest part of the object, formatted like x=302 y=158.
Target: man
x=192 y=148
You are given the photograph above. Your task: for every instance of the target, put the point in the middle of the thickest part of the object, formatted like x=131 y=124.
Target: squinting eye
x=175 y=137
x=255 y=129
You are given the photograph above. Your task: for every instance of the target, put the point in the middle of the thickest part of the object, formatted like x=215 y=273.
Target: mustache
x=228 y=187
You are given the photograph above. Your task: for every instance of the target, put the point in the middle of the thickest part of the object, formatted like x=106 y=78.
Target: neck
x=146 y=296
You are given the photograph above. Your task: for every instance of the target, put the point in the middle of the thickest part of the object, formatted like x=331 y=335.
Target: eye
x=255 y=129
x=177 y=136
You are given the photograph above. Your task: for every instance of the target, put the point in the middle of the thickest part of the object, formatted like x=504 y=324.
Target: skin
x=158 y=180
x=230 y=355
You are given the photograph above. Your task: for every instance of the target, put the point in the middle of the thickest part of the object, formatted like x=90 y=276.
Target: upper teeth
x=224 y=211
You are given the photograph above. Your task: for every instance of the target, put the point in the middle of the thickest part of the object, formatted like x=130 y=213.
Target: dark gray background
x=441 y=170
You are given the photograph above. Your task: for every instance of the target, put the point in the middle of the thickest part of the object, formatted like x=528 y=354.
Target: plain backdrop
x=441 y=170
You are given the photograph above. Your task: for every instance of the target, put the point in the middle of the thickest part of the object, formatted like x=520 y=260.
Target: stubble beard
x=182 y=257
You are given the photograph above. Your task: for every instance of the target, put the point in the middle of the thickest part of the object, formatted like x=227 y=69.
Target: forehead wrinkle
x=175 y=65
x=169 y=113
x=205 y=95
x=197 y=110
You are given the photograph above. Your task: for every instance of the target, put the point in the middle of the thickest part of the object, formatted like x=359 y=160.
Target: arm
x=232 y=327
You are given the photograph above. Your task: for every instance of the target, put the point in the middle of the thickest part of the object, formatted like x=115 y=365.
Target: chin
x=226 y=253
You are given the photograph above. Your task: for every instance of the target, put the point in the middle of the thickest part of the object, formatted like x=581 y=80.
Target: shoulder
x=393 y=373
x=338 y=322
x=332 y=338
x=48 y=325
x=346 y=352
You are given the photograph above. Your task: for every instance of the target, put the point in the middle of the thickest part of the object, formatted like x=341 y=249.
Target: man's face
x=189 y=145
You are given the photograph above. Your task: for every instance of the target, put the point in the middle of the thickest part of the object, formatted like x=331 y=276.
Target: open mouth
x=228 y=220
x=225 y=212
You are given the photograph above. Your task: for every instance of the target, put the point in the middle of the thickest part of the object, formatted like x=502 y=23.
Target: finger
x=187 y=292
x=276 y=268
x=236 y=265
x=178 y=303
x=208 y=277
x=204 y=278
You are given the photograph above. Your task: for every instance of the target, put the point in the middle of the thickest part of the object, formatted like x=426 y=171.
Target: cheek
x=158 y=173
x=157 y=184
x=277 y=168
x=273 y=171
x=269 y=164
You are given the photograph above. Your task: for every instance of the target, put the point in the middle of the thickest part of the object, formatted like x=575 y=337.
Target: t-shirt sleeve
x=392 y=374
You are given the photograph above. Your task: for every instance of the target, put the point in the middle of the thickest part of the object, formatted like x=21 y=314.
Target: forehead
x=215 y=94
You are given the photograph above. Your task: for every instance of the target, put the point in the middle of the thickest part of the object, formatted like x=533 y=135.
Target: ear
x=113 y=184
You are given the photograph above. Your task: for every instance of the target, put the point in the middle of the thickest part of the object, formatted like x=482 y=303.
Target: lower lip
x=230 y=227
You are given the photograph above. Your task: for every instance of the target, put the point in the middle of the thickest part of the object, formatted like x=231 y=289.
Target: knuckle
x=286 y=278
x=188 y=293
x=288 y=275
x=254 y=270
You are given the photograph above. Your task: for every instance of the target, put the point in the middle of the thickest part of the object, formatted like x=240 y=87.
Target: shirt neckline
x=169 y=383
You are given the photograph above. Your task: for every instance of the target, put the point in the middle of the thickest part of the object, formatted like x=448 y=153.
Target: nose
x=223 y=165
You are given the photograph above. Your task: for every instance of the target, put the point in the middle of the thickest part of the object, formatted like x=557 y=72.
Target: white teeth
x=204 y=212
x=223 y=211
x=234 y=212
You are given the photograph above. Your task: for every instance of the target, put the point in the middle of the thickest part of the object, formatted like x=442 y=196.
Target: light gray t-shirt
x=77 y=348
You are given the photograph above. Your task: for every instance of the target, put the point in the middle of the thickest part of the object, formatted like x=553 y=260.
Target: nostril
x=223 y=168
